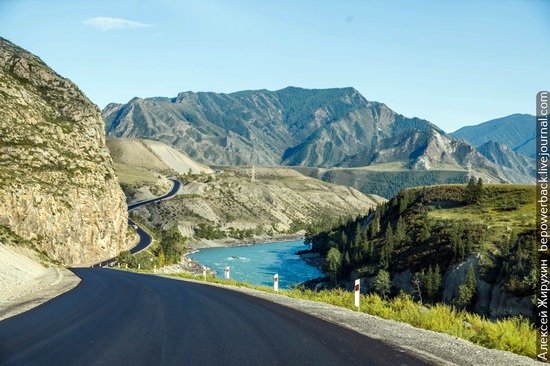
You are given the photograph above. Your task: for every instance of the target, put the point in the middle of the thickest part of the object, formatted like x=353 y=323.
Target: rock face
x=57 y=184
x=492 y=300
x=508 y=159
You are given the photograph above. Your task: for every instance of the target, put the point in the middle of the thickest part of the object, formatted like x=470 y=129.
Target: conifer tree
x=390 y=238
x=400 y=231
x=467 y=291
x=375 y=225
x=333 y=263
x=343 y=241
x=382 y=283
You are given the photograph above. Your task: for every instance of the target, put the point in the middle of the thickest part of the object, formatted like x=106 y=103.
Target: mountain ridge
x=260 y=127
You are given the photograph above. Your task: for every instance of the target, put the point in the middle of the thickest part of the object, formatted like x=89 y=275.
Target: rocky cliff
x=57 y=184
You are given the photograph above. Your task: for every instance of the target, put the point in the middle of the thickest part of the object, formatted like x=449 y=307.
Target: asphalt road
x=172 y=192
x=121 y=318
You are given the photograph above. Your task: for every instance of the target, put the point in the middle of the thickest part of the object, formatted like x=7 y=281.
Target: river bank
x=233 y=242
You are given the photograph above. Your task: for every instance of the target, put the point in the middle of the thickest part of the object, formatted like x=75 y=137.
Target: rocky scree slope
x=57 y=184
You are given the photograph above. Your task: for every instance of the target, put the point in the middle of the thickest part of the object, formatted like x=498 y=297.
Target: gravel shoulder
x=52 y=283
x=438 y=348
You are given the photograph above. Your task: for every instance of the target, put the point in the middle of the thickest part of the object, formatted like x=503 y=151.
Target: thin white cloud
x=105 y=23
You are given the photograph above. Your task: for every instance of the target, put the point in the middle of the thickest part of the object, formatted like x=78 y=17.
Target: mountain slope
x=517 y=131
x=508 y=159
x=57 y=185
x=154 y=156
x=419 y=150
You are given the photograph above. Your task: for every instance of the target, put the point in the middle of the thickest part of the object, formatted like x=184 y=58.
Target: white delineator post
x=227 y=275
x=204 y=273
x=357 y=293
x=276 y=282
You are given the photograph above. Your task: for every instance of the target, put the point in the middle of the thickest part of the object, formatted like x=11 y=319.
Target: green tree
x=423 y=232
x=357 y=252
x=343 y=241
x=390 y=238
x=172 y=245
x=474 y=191
x=401 y=231
x=375 y=225
x=432 y=282
x=346 y=262
x=467 y=291
x=479 y=190
x=382 y=283
x=457 y=243
x=333 y=263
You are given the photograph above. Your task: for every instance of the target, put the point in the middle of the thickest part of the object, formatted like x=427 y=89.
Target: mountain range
x=323 y=128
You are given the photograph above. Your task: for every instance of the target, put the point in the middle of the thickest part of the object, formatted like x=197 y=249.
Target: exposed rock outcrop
x=57 y=184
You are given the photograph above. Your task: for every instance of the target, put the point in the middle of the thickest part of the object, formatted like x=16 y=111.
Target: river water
x=257 y=264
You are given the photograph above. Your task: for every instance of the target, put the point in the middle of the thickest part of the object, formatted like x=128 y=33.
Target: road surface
x=121 y=318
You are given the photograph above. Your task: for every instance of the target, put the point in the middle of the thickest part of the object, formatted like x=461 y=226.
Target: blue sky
x=453 y=63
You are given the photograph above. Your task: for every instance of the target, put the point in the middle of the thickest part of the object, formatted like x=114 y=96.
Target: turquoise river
x=257 y=264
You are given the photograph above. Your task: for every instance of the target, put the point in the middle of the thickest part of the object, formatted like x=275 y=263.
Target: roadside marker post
x=276 y=283
x=139 y=265
x=227 y=274
x=204 y=273
x=357 y=293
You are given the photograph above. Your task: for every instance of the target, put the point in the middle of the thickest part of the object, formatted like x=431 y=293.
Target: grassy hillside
x=422 y=228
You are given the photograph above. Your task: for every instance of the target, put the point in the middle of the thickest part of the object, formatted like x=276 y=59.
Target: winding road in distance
x=144 y=238
x=115 y=317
